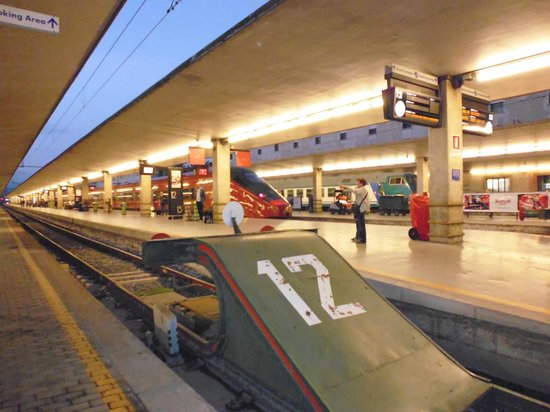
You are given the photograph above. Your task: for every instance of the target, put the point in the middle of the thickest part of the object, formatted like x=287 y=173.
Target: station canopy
x=36 y=68
x=292 y=58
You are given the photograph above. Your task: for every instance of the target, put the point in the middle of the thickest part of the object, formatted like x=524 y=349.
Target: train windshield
x=410 y=178
x=251 y=181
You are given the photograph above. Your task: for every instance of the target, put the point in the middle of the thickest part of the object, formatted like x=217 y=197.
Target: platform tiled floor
x=61 y=350
x=44 y=366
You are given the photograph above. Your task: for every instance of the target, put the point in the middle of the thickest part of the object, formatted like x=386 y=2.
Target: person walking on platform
x=359 y=210
x=200 y=196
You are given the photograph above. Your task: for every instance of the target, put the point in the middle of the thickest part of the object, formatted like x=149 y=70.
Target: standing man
x=200 y=196
x=359 y=210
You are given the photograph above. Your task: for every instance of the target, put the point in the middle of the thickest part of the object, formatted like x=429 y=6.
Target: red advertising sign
x=197 y=156
x=243 y=158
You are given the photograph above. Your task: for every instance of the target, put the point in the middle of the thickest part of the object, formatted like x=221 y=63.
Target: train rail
x=267 y=312
x=135 y=287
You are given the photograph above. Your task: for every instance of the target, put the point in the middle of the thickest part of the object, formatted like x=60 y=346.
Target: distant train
x=256 y=196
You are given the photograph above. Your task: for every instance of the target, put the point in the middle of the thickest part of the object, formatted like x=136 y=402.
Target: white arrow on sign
x=29 y=19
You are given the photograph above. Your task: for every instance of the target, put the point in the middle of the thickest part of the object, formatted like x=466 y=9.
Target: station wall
x=509 y=113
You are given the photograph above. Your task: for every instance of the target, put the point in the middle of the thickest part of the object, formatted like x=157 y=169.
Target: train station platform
x=474 y=220
x=497 y=277
x=62 y=350
x=506 y=271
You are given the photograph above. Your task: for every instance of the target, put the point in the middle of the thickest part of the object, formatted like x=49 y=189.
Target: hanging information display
x=411 y=97
x=476 y=114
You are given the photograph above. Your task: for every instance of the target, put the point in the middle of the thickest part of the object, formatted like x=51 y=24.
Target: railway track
x=110 y=272
x=189 y=293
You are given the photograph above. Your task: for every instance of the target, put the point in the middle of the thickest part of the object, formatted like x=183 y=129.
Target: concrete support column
x=221 y=175
x=51 y=199
x=145 y=195
x=107 y=191
x=318 y=189
x=70 y=195
x=422 y=175
x=446 y=177
x=85 y=190
x=59 y=196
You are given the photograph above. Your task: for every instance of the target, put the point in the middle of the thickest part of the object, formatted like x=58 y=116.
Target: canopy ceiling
x=36 y=68
x=293 y=55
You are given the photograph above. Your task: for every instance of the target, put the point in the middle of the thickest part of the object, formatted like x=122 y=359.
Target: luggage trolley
x=420 y=216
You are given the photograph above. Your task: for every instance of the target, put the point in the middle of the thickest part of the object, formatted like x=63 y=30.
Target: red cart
x=420 y=216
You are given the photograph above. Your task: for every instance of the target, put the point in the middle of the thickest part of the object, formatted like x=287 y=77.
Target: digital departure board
x=405 y=105
x=476 y=114
x=411 y=96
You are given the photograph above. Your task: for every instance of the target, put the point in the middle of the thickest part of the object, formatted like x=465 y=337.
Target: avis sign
x=28 y=19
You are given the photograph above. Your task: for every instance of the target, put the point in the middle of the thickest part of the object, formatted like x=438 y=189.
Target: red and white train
x=258 y=198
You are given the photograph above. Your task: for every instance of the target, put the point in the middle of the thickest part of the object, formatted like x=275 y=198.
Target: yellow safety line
x=107 y=386
x=464 y=292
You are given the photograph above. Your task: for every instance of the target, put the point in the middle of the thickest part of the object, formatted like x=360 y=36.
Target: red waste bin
x=420 y=216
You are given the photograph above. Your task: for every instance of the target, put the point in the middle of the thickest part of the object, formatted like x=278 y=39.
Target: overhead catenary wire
x=115 y=71
x=43 y=140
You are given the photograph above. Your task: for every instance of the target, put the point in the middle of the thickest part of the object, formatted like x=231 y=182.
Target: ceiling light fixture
x=304 y=118
x=124 y=167
x=285 y=172
x=525 y=64
x=506 y=150
x=496 y=171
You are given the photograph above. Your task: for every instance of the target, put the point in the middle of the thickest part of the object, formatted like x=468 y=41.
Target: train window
x=299 y=192
x=372 y=131
x=343 y=136
x=318 y=140
x=407 y=125
x=276 y=147
x=331 y=191
x=396 y=181
x=498 y=184
x=295 y=145
x=309 y=192
x=259 y=151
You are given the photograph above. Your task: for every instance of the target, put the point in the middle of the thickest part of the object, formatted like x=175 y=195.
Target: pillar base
x=446 y=223
x=217 y=209
x=318 y=206
x=145 y=209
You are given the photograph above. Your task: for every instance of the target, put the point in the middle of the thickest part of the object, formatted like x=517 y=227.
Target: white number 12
x=294 y=263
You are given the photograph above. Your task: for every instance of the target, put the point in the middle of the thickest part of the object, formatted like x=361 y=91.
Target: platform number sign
x=175 y=201
x=294 y=264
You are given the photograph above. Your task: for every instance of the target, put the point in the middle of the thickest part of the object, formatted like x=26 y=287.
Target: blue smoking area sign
x=29 y=19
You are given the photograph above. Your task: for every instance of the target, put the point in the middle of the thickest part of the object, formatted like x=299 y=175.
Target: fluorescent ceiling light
x=332 y=167
x=483 y=130
x=513 y=67
x=306 y=117
x=390 y=161
x=75 y=180
x=168 y=154
x=506 y=150
x=124 y=167
x=285 y=172
x=496 y=171
x=95 y=175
